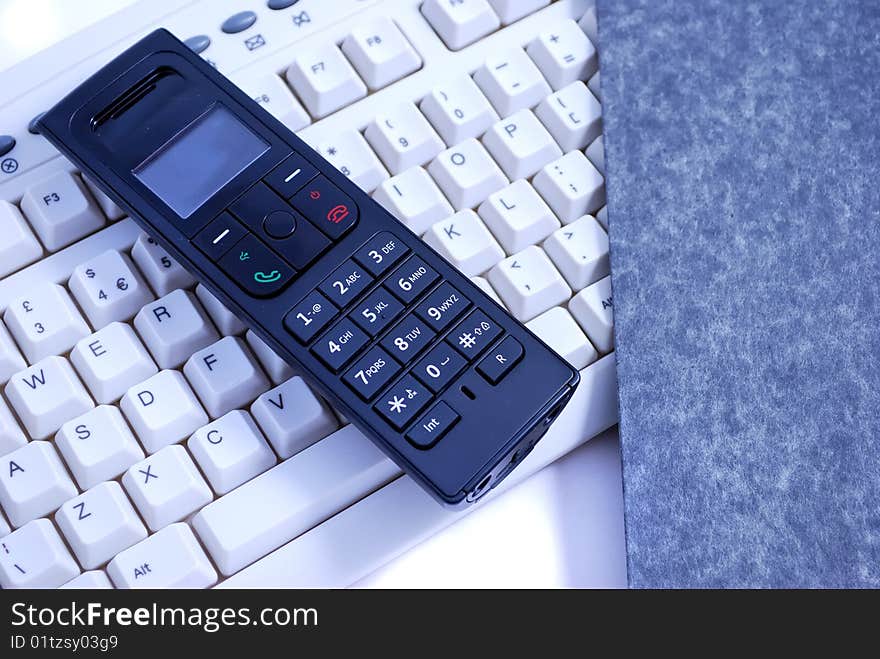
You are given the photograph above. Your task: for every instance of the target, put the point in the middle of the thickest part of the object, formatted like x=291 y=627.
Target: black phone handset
x=432 y=370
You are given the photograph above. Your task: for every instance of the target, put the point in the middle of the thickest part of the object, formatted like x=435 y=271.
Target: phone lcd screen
x=199 y=160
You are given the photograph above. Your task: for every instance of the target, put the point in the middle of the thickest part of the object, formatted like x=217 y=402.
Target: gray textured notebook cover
x=743 y=177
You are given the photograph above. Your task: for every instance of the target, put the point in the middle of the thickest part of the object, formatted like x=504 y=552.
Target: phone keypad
x=399 y=337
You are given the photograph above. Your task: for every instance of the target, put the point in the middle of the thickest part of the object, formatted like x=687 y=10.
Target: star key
x=403 y=401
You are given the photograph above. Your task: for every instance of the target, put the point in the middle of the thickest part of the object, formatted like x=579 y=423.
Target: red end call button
x=326 y=206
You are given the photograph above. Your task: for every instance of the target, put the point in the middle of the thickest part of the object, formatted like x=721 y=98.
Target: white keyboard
x=146 y=438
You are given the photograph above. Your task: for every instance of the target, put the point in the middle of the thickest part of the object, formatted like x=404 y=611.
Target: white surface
x=563 y=526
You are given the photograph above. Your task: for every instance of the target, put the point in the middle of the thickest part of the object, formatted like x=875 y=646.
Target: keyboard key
x=349 y=152
x=162 y=410
x=433 y=426
x=371 y=372
x=521 y=145
x=442 y=306
x=5 y=529
x=310 y=315
x=411 y=279
x=292 y=417
x=559 y=330
x=500 y=360
x=111 y=360
x=460 y=23
x=483 y=285
x=403 y=401
x=458 y=110
x=465 y=242
x=517 y=216
x=380 y=252
x=528 y=283
x=61 y=210
x=277 y=369
x=19 y=246
x=225 y=376
x=269 y=91
x=513 y=10
x=46 y=395
x=11 y=436
x=588 y=24
x=109 y=207
x=91 y=580
x=97 y=446
x=414 y=199
x=512 y=82
x=238 y=22
x=572 y=115
x=380 y=52
x=10 y=358
x=595 y=86
x=602 y=217
x=403 y=138
x=227 y=322
x=474 y=334
x=174 y=327
x=239 y=527
x=572 y=186
x=377 y=311
x=33 y=482
x=34 y=556
x=564 y=54
x=408 y=338
x=100 y=523
x=45 y=322
x=346 y=283
x=439 y=367
x=230 y=451
x=580 y=251
x=166 y=487
x=172 y=558
x=108 y=288
x=162 y=273
x=596 y=153
x=325 y=81
x=593 y=308
x=466 y=174
x=339 y=346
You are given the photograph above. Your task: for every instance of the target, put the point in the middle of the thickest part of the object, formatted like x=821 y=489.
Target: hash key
x=411 y=279
x=474 y=334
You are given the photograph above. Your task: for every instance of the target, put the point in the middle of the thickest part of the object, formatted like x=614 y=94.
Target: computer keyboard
x=147 y=438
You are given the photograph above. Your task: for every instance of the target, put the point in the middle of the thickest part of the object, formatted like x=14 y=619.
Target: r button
x=498 y=363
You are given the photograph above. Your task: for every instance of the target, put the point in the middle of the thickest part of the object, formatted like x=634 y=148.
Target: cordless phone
x=430 y=368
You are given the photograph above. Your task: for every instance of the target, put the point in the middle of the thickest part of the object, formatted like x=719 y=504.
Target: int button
x=255 y=268
x=430 y=428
